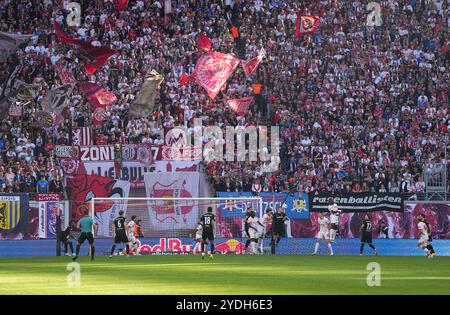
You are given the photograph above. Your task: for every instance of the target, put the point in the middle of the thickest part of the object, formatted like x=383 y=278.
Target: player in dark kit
x=120 y=233
x=366 y=234
x=207 y=221
x=278 y=220
x=64 y=237
x=246 y=228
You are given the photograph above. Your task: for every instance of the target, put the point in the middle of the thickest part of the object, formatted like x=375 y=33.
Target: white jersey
x=334 y=213
x=266 y=219
x=323 y=224
x=131 y=225
x=423 y=229
x=198 y=234
x=254 y=227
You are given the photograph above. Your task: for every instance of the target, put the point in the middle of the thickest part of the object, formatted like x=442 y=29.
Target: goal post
x=175 y=217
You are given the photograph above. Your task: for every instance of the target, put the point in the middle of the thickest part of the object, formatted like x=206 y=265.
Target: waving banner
x=145 y=100
x=358 y=202
x=94 y=57
x=212 y=71
x=99 y=98
x=65 y=76
x=306 y=24
x=56 y=100
x=240 y=106
x=250 y=66
x=203 y=42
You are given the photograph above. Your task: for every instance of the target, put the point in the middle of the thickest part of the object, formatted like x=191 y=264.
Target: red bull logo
x=172 y=245
x=232 y=246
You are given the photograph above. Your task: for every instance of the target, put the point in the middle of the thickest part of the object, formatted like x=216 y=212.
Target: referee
x=85 y=224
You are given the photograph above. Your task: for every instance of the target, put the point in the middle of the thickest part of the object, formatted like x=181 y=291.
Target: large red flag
x=203 y=42
x=240 y=105
x=65 y=76
x=213 y=70
x=250 y=66
x=95 y=57
x=99 y=98
x=306 y=24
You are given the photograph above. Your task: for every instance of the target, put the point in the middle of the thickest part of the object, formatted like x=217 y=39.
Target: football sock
x=65 y=248
x=212 y=248
x=361 y=248
x=330 y=248
x=112 y=249
x=78 y=249
x=430 y=248
x=272 y=245
x=92 y=252
x=71 y=247
x=203 y=247
x=128 y=249
x=247 y=243
x=317 y=247
x=371 y=246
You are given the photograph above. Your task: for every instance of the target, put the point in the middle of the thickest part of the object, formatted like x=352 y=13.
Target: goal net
x=175 y=217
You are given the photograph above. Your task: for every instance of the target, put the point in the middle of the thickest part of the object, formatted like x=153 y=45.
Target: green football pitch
x=226 y=274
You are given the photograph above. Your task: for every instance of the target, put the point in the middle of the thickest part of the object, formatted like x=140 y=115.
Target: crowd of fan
x=360 y=108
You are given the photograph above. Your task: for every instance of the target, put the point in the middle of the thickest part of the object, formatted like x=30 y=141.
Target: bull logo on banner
x=171 y=210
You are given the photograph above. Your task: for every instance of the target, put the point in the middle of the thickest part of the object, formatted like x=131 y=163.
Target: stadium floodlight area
x=175 y=217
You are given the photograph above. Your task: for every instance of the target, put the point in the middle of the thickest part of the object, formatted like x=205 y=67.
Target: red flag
x=213 y=70
x=203 y=42
x=250 y=66
x=184 y=79
x=95 y=57
x=240 y=106
x=99 y=98
x=121 y=4
x=306 y=24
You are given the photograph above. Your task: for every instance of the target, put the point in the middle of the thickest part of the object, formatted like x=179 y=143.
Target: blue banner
x=297 y=204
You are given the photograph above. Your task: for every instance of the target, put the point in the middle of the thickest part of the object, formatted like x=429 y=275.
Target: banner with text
x=357 y=202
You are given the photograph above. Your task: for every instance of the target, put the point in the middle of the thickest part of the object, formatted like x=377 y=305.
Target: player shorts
x=323 y=235
x=334 y=226
x=423 y=240
x=366 y=238
x=207 y=234
x=132 y=239
x=277 y=230
x=86 y=236
x=121 y=237
x=253 y=234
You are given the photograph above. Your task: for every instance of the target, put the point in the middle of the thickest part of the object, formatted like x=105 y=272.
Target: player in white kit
x=334 y=218
x=324 y=233
x=424 y=237
x=130 y=234
x=198 y=239
x=255 y=230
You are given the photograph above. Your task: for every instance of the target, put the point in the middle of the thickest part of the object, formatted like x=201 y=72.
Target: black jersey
x=207 y=220
x=278 y=219
x=367 y=227
x=119 y=224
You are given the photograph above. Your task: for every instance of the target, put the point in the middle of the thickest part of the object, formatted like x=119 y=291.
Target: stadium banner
x=47 y=218
x=14 y=210
x=167 y=215
x=145 y=99
x=297 y=204
x=48 y=197
x=358 y=202
x=84 y=187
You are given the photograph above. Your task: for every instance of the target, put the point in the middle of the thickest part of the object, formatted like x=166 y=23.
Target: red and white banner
x=172 y=215
x=306 y=24
x=99 y=98
x=84 y=187
x=250 y=66
x=213 y=70
x=48 y=196
x=240 y=106
x=82 y=136
x=65 y=76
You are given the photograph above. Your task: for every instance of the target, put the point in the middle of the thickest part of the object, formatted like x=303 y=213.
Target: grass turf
x=226 y=274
